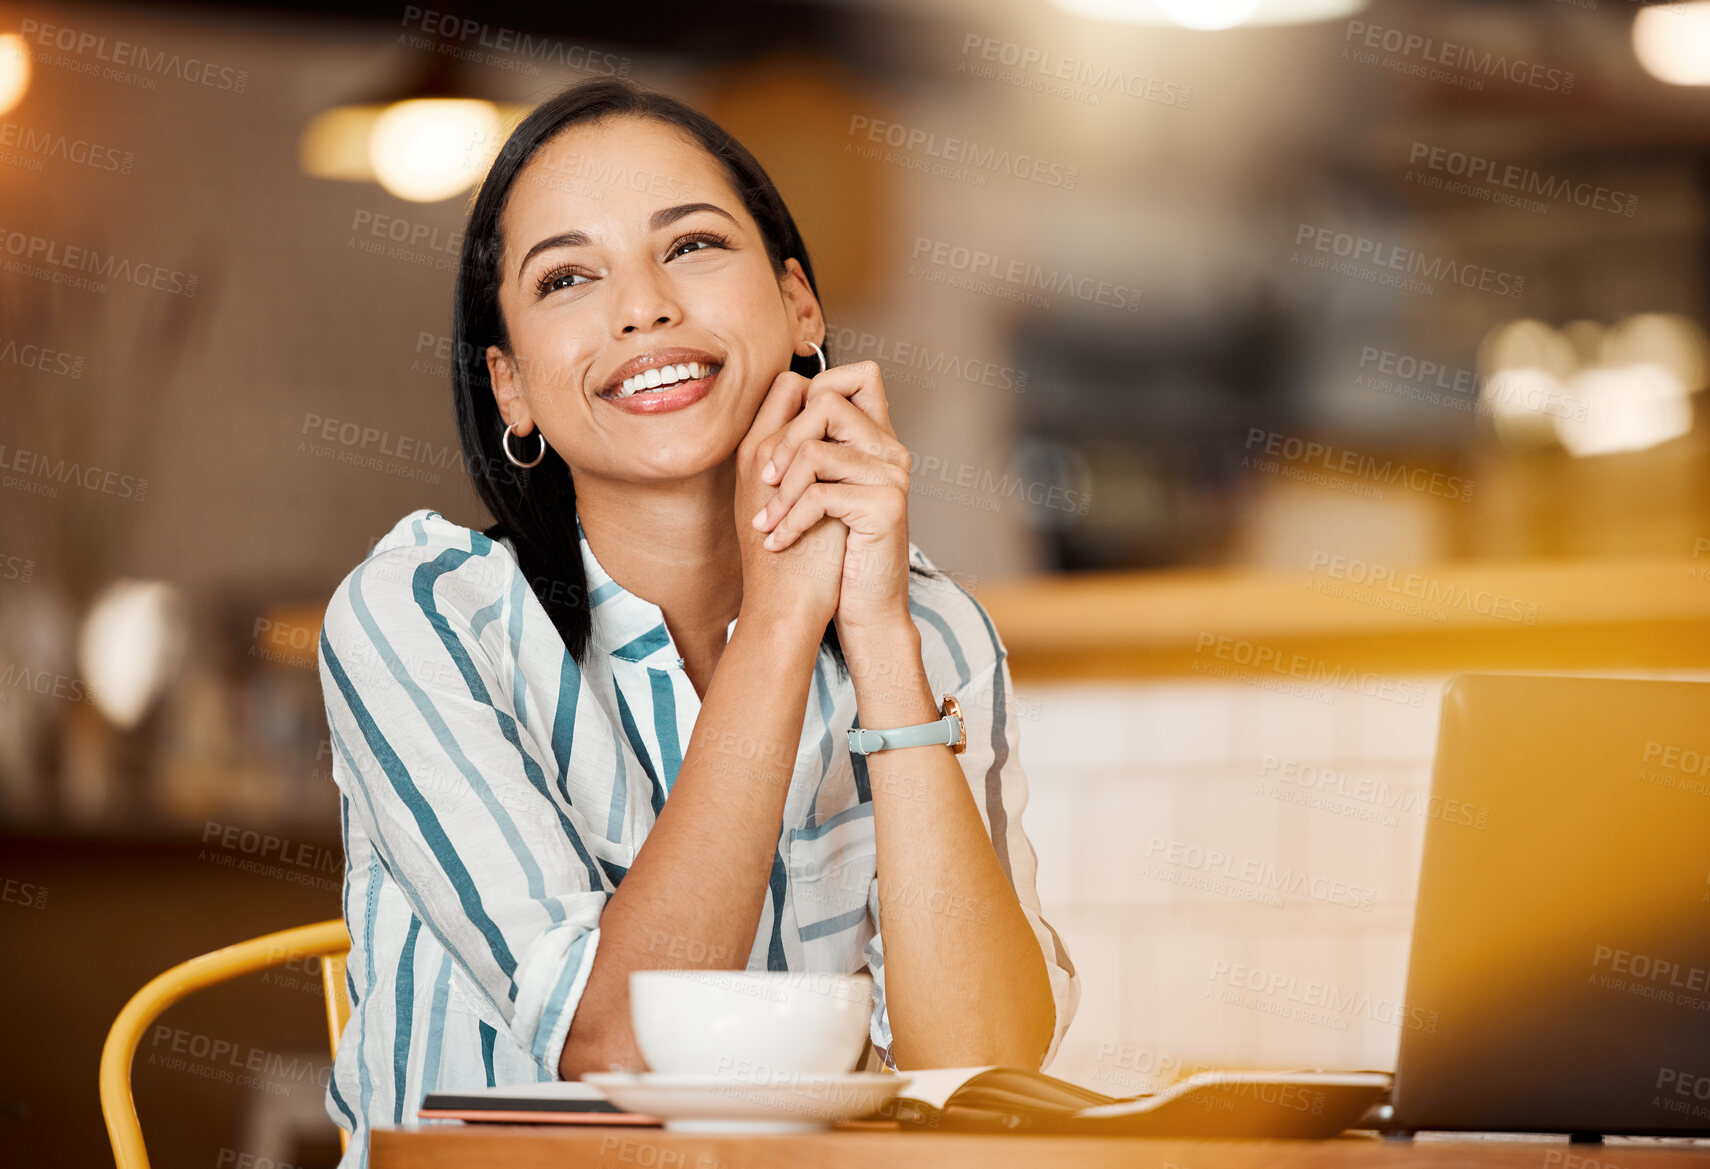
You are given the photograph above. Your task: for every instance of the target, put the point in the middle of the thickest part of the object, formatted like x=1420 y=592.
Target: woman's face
x=623 y=239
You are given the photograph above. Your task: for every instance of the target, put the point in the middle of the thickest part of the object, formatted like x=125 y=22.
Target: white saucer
x=722 y=1104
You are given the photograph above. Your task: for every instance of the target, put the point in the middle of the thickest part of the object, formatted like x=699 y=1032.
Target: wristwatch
x=948 y=730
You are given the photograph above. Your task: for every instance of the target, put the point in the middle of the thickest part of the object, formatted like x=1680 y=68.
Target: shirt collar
x=625 y=625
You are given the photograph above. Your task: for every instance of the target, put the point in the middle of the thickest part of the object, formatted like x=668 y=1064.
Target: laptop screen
x=1562 y=935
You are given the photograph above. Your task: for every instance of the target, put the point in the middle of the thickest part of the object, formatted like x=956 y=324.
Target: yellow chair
x=327 y=939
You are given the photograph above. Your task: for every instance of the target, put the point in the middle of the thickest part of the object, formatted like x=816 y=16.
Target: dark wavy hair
x=534 y=506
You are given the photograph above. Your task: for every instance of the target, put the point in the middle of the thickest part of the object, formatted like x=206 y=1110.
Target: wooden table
x=480 y=1146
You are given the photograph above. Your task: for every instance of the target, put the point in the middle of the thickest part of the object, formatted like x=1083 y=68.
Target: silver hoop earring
x=821 y=353
x=505 y=441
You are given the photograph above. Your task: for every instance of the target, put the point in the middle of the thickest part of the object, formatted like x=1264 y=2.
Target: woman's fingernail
x=759 y=518
x=771 y=539
x=769 y=473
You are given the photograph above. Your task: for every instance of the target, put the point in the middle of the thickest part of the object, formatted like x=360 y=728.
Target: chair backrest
x=327 y=939
x=337 y=1000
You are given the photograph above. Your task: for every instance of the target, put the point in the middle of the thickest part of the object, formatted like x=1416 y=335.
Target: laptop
x=1559 y=978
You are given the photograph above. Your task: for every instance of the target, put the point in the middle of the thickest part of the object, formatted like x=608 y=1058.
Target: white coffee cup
x=752 y=1025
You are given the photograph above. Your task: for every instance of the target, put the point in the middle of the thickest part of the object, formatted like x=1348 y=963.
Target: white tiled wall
x=1216 y=962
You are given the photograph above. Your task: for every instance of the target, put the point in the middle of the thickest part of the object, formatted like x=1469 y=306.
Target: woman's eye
x=554 y=280
x=710 y=238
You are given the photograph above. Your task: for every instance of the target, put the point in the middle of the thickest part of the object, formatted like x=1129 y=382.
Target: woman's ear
x=808 y=321
x=513 y=405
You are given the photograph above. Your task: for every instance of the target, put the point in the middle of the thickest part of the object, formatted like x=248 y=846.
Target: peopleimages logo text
x=36 y=249
x=1024 y=273
x=53 y=144
x=1381 y=578
x=1466 y=58
x=858 y=345
x=1058 y=73
x=1265 y=874
x=130 y=55
x=1525 y=180
x=43 y=469
x=449 y=26
x=963 y=152
x=1281 y=984
x=1355 y=463
x=1259 y=657
x=1358 y=249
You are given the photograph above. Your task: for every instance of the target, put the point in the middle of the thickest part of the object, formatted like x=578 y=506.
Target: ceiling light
x=421 y=148
x=14 y=70
x=421 y=138
x=1212 y=14
x=1672 y=42
x=130 y=647
x=334 y=145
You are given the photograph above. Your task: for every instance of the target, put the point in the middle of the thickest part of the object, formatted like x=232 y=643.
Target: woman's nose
x=645 y=300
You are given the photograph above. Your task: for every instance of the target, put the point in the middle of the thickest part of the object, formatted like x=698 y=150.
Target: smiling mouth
x=661 y=377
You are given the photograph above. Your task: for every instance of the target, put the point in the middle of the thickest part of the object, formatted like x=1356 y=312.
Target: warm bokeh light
x=1212 y=14
x=1595 y=390
x=1209 y=13
x=424 y=150
x=1518 y=399
x=1672 y=42
x=1629 y=408
x=14 y=70
x=420 y=148
x=334 y=145
x=130 y=647
x=1669 y=339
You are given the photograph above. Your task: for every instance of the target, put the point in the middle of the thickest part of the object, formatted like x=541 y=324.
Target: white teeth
x=663 y=375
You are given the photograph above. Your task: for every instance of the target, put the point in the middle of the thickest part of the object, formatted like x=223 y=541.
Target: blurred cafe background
x=1265 y=362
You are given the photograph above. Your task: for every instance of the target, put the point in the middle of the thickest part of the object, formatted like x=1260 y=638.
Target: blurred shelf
x=1572 y=615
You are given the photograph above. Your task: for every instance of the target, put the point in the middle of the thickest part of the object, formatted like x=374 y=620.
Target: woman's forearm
x=965 y=979
x=694 y=894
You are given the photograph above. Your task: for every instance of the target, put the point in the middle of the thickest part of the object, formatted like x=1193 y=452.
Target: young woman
x=610 y=732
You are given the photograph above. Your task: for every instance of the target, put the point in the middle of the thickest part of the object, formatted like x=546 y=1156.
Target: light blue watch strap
x=866 y=740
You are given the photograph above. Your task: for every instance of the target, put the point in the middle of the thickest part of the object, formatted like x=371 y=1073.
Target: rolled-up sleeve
x=454 y=790
x=992 y=764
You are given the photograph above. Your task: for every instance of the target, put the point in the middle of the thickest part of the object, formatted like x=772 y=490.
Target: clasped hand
x=832 y=482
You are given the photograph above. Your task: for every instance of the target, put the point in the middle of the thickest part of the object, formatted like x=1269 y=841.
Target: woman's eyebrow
x=664 y=217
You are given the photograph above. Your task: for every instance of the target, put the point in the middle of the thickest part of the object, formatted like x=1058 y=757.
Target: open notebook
x=1308 y=1104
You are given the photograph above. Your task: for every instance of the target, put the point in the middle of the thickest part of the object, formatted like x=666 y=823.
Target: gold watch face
x=951 y=706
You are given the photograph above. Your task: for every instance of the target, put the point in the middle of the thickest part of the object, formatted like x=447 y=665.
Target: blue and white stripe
x=493 y=795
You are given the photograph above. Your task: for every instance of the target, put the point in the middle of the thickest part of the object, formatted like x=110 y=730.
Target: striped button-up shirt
x=493 y=795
